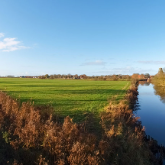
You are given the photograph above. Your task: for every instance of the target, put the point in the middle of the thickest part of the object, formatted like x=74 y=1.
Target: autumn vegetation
x=140 y=76
x=159 y=79
x=159 y=84
x=32 y=135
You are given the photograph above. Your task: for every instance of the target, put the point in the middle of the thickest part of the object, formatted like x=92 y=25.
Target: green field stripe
x=66 y=96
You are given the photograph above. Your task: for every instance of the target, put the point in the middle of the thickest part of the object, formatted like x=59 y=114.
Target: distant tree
x=159 y=78
x=76 y=76
x=147 y=75
x=126 y=77
x=10 y=76
x=142 y=76
x=46 y=76
x=161 y=71
x=135 y=76
x=114 y=77
x=84 y=76
x=59 y=76
x=51 y=76
x=120 y=76
x=41 y=77
x=69 y=75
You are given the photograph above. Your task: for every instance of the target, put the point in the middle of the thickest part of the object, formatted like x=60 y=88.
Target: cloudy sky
x=92 y=37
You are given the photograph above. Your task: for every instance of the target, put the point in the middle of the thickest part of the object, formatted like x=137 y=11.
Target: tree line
x=140 y=76
x=84 y=76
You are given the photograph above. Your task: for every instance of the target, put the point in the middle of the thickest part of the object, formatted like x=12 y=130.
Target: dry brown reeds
x=44 y=141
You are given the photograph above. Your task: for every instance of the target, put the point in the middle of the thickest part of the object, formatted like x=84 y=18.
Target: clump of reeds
x=42 y=140
x=125 y=135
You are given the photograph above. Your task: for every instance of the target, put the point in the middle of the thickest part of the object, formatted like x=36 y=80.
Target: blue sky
x=93 y=37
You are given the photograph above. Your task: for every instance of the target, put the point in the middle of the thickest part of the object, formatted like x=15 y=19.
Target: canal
x=150 y=107
x=151 y=110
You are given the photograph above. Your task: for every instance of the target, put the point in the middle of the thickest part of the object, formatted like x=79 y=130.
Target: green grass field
x=68 y=97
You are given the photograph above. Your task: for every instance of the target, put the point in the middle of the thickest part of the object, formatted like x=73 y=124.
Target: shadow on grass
x=93 y=91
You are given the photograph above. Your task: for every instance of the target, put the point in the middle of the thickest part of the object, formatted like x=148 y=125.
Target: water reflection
x=145 y=83
x=137 y=105
x=160 y=91
x=150 y=107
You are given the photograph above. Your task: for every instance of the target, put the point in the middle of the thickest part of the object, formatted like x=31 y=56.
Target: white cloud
x=1 y=35
x=97 y=62
x=152 y=62
x=125 y=70
x=10 y=44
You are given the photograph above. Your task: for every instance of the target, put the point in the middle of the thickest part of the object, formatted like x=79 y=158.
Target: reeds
x=34 y=139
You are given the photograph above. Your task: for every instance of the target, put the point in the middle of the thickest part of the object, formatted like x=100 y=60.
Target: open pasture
x=68 y=97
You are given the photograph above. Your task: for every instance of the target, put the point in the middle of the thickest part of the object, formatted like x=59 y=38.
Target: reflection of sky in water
x=151 y=113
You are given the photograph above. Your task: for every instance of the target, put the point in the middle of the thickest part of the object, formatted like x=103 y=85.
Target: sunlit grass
x=68 y=97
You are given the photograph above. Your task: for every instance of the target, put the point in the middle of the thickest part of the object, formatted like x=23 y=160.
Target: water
x=151 y=111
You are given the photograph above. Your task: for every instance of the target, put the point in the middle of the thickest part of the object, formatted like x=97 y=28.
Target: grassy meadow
x=68 y=97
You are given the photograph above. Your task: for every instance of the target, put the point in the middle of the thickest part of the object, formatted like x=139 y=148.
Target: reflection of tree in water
x=137 y=106
x=144 y=83
x=160 y=90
